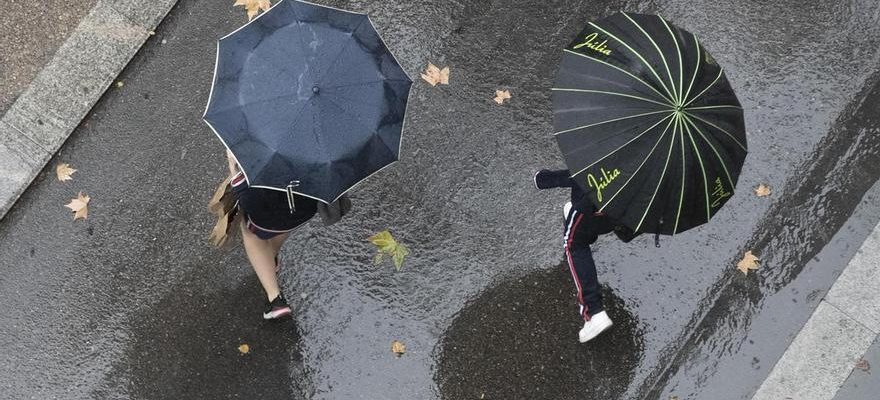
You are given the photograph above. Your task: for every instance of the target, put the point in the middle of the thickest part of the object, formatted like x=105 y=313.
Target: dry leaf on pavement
x=244 y=349
x=762 y=190
x=434 y=75
x=80 y=206
x=253 y=7
x=398 y=348
x=63 y=171
x=864 y=365
x=501 y=95
x=749 y=261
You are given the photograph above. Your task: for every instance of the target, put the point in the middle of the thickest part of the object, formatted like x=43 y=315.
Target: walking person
x=266 y=222
x=583 y=225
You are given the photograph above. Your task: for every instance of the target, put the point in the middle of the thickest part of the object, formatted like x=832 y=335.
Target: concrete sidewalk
x=64 y=91
x=832 y=355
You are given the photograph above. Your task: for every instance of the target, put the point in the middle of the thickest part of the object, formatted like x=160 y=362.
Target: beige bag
x=223 y=205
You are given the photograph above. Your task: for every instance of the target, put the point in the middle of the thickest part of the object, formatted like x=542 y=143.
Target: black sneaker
x=277 y=308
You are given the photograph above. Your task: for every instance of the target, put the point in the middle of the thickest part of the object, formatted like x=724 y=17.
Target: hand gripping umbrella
x=309 y=100
x=648 y=123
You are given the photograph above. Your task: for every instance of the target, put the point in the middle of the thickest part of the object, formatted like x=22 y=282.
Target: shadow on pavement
x=187 y=347
x=518 y=340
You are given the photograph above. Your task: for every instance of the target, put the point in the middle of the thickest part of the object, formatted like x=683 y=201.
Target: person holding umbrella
x=308 y=101
x=653 y=137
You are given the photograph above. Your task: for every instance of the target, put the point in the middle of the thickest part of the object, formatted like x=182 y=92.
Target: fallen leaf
x=387 y=246
x=398 y=348
x=749 y=261
x=762 y=190
x=253 y=7
x=399 y=255
x=384 y=241
x=80 y=206
x=120 y=84
x=63 y=171
x=434 y=75
x=501 y=95
x=244 y=349
x=864 y=365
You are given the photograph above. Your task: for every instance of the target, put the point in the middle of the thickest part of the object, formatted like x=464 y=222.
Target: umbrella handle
x=290 y=199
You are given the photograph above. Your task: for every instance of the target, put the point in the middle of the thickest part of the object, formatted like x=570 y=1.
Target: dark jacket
x=597 y=223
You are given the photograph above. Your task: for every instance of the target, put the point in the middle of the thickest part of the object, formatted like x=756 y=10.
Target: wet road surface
x=133 y=302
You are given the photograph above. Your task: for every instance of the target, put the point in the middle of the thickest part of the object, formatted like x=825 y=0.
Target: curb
x=66 y=89
x=845 y=324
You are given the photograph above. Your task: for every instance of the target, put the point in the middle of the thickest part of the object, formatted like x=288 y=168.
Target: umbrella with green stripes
x=648 y=123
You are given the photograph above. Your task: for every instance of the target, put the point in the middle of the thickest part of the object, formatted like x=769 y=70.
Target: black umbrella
x=309 y=99
x=648 y=123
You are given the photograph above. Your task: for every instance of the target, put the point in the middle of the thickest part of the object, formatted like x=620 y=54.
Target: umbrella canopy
x=309 y=99
x=648 y=123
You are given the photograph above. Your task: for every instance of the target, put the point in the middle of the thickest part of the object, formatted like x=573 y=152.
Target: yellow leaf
x=63 y=171
x=398 y=348
x=120 y=84
x=80 y=206
x=399 y=255
x=748 y=262
x=762 y=190
x=253 y=7
x=384 y=241
x=434 y=75
x=244 y=349
x=501 y=95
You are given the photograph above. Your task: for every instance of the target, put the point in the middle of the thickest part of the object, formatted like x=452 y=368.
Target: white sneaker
x=566 y=209
x=597 y=324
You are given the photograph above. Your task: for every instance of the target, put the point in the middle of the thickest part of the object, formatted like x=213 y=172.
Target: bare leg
x=261 y=254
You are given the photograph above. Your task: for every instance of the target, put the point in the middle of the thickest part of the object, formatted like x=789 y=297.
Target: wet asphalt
x=134 y=303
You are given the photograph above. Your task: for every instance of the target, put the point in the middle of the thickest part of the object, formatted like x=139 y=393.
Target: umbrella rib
x=299 y=38
x=659 y=183
x=356 y=115
x=677 y=96
x=671 y=96
x=696 y=68
x=622 y=146
x=608 y=121
x=665 y=97
x=239 y=106
x=687 y=120
x=341 y=51
x=348 y=85
x=702 y=169
x=720 y=71
x=719 y=128
x=639 y=168
x=680 y=61
x=683 y=167
x=608 y=93
x=714 y=107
